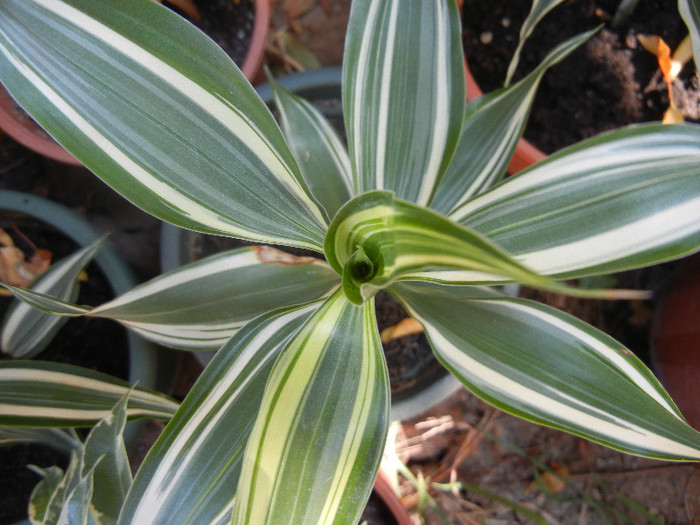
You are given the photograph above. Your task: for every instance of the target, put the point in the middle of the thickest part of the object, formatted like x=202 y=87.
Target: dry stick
x=469 y=443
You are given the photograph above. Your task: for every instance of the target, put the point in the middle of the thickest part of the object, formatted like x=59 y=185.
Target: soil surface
x=609 y=82
x=229 y=23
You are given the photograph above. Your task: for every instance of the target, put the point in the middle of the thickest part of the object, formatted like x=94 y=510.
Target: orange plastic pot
x=675 y=339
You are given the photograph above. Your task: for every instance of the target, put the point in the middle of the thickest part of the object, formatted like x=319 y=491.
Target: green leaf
x=690 y=12
x=318 y=149
x=201 y=305
x=38 y=393
x=403 y=94
x=537 y=12
x=105 y=452
x=62 y=439
x=314 y=451
x=40 y=510
x=190 y=474
x=159 y=112
x=25 y=331
x=98 y=476
x=624 y=199
x=492 y=127
x=539 y=363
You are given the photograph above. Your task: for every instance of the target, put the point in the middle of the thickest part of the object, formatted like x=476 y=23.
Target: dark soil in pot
x=229 y=23
x=376 y=512
x=609 y=82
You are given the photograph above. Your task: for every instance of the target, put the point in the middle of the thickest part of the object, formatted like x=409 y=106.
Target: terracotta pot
x=18 y=125
x=675 y=338
x=384 y=490
x=525 y=153
x=252 y=65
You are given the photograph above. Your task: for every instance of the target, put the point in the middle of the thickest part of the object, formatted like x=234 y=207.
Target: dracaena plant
x=288 y=422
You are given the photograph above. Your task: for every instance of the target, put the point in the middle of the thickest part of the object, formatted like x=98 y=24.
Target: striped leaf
x=105 y=452
x=318 y=149
x=403 y=94
x=544 y=365
x=40 y=500
x=62 y=439
x=26 y=331
x=690 y=12
x=38 y=393
x=492 y=127
x=625 y=199
x=314 y=451
x=537 y=12
x=94 y=485
x=160 y=113
x=375 y=240
x=201 y=305
x=190 y=475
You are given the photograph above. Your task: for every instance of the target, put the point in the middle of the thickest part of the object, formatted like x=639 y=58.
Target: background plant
x=288 y=422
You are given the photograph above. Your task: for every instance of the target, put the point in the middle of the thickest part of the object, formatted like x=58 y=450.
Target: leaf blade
x=492 y=127
x=320 y=462
x=565 y=374
x=191 y=473
x=214 y=155
x=25 y=332
x=401 y=136
x=38 y=393
x=624 y=199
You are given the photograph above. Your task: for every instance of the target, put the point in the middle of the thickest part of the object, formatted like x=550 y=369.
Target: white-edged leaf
x=105 y=453
x=403 y=94
x=318 y=149
x=39 y=502
x=537 y=12
x=314 y=451
x=623 y=199
x=62 y=439
x=25 y=331
x=199 y=306
x=160 y=113
x=191 y=473
x=690 y=11
x=539 y=363
x=39 y=393
x=492 y=127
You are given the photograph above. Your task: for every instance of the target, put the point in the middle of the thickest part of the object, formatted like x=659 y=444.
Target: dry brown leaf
x=15 y=270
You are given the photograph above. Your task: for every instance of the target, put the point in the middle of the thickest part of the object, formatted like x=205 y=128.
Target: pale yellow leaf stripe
x=258 y=485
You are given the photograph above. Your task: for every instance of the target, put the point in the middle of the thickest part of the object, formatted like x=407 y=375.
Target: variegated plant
x=288 y=422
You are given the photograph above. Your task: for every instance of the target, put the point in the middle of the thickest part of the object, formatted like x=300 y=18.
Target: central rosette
x=375 y=240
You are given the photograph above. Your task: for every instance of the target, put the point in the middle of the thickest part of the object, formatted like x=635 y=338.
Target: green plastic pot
x=143 y=362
